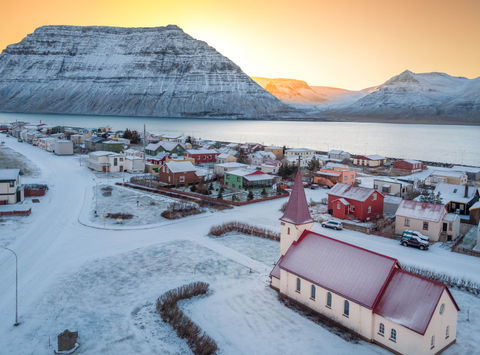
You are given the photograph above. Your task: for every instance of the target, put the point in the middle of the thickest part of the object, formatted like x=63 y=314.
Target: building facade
x=11 y=189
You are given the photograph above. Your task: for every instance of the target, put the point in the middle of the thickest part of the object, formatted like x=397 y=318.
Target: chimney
x=466 y=190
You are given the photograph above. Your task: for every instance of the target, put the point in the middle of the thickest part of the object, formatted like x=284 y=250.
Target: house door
x=121 y=168
x=445 y=226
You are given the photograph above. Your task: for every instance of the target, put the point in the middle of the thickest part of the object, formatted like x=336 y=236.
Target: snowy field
x=10 y=159
x=103 y=282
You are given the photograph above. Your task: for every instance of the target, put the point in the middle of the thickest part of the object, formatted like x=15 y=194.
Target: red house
x=178 y=173
x=408 y=165
x=354 y=202
x=202 y=155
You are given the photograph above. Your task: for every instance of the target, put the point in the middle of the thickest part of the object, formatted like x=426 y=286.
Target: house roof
x=180 y=166
x=343 y=201
x=296 y=211
x=357 y=193
x=9 y=174
x=421 y=210
x=258 y=177
x=202 y=151
x=371 y=157
x=347 y=270
x=232 y=165
x=475 y=206
x=451 y=173
x=396 y=302
x=456 y=193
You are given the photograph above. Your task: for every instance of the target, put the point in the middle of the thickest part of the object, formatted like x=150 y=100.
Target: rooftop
x=180 y=166
x=356 y=193
x=296 y=211
x=9 y=174
x=456 y=193
x=421 y=210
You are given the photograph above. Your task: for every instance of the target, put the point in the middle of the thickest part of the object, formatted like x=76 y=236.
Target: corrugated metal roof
x=353 y=272
x=180 y=166
x=410 y=300
x=296 y=211
x=356 y=193
x=421 y=210
x=9 y=174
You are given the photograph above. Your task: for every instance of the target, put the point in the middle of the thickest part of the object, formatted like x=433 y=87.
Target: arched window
x=442 y=308
x=393 y=335
x=329 y=300
x=447 y=332
x=381 y=329
x=346 y=308
x=432 y=342
x=313 y=292
x=288 y=230
x=298 y=284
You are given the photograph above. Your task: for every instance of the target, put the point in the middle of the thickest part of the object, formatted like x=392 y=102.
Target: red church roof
x=410 y=300
x=297 y=211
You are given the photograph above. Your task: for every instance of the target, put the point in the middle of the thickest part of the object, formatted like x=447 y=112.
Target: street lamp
x=16 y=283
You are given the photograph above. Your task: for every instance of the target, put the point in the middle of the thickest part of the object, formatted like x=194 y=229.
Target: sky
x=348 y=44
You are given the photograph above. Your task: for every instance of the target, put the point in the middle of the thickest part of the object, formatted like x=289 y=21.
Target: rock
x=160 y=72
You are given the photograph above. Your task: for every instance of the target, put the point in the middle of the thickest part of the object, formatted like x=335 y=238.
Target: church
x=366 y=292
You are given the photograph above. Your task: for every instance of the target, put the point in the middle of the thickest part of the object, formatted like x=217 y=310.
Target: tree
x=287 y=170
x=220 y=195
x=250 y=195
x=430 y=197
x=242 y=157
x=264 y=192
x=313 y=165
x=193 y=188
x=133 y=136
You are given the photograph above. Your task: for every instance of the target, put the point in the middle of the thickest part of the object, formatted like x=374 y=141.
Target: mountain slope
x=434 y=95
x=158 y=71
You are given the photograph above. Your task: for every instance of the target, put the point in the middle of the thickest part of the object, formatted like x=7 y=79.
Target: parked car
x=332 y=224
x=313 y=186
x=415 y=239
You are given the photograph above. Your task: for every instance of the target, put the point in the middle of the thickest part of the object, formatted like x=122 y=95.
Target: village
x=383 y=249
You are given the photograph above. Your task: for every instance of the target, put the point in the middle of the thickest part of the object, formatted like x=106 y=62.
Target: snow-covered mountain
x=424 y=95
x=159 y=71
x=299 y=92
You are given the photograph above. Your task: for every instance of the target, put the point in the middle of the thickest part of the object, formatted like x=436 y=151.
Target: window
x=450 y=226
x=393 y=335
x=346 y=308
x=352 y=208
x=288 y=230
x=407 y=222
x=312 y=296
x=182 y=178
x=425 y=226
x=447 y=332
x=338 y=206
x=329 y=300
x=298 y=284
x=442 y=308
x=12 y=183
x=374 y=197
x=381 y=329
x=115 y=162
x=369 y=209
x=375 y=187
x=432 y=342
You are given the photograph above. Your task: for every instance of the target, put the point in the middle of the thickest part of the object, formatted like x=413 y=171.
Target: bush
x=199 y=342
x=264 y=192
x=244 y=228
x=193 y=188
x=180 y=209
x=250 y=195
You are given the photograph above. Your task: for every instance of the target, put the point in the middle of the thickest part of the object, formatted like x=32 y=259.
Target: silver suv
x=332 y=224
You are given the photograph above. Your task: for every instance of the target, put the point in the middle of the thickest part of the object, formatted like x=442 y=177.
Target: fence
x=16 y=213
x=34 y=190
x=245 y=229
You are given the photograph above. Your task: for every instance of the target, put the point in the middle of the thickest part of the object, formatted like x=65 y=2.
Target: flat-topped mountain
x=160 y=71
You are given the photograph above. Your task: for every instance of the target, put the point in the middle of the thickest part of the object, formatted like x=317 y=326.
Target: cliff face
x=158 y=71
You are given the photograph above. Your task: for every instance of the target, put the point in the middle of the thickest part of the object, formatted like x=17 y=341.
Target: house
x=473 y=173
x=202 y=155
x=134 y=165
x=429 y=219
x=475 y=214
x=107 y=162
x=365 y=292
x=447 y=176
x=178 y=173
x=134 y=153
x=369 y=161
x=63 y=147
x=457 y=198
x=246 y=179
x=260 y=157
x=94 y=143
x=329 y=177
x=46 y=143
x=271 y=166
x=113 y=146
x=164 y=146
x=411 y=166
x=338 y=155
x=355 y=202
x=277 y=151
x=226 y=158
x=220 y=169
x=392 y=187
x=305 y=154
x=11 y=189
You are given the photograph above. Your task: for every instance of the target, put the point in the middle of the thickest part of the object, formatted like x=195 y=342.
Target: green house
x=163 y=146
x=246 y=179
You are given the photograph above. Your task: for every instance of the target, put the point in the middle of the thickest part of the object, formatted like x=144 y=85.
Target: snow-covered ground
x=103 y=282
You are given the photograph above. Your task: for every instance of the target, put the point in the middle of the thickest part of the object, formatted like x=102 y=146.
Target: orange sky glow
x=348 y=44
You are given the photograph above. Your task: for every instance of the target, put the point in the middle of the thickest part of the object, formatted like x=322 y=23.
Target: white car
x=332 y=224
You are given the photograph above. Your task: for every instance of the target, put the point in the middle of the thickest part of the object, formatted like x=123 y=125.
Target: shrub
x=264 y=192
x=250 y=195
x=199 y=342
x=244 y=228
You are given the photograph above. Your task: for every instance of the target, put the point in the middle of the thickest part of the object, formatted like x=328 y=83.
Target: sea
x=458 y=144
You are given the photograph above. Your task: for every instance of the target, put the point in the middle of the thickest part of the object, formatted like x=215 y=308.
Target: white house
x=366 y=292
x=429 y=219
x=447 y=176
x=11 y=190
x=106 y=161
x=393 y=187
x=134 y=164
x=338 y=155
x=220 y=169
x=305 y=154
x=63 y=147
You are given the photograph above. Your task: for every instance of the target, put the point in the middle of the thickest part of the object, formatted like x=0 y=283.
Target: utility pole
x=144 y=139
x=16 y=284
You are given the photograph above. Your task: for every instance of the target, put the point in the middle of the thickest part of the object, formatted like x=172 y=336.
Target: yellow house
x=366 y=292
x=278 y=151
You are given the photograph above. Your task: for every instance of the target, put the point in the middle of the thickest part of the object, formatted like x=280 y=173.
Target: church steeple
x=297 y=211
x=296 y=217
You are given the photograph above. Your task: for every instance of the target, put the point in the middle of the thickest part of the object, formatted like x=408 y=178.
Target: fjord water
x=459 y=144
